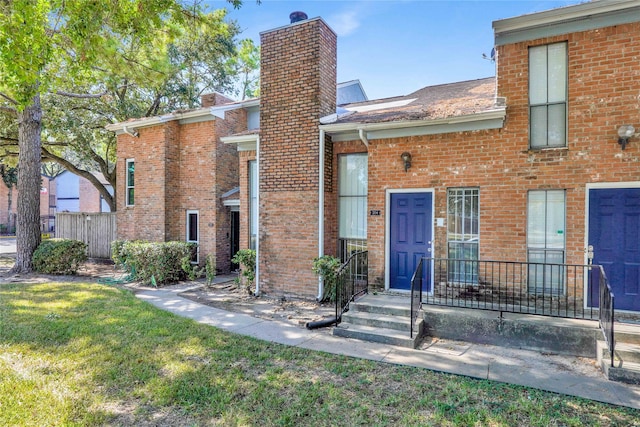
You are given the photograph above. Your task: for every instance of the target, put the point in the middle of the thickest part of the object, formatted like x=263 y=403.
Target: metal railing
x=416 y=294
x=606 y=303
x=351 y=281
x=556 y=290
x=347 y=247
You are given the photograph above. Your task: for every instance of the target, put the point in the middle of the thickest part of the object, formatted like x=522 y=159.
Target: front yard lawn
x=89 y=354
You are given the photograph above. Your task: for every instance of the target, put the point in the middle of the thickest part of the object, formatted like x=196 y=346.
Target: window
x=129 y=178
x=548 y=96
x=253 y=203
x=193 y=233
x=352 y=208
x=463 y=224
x=546 y=240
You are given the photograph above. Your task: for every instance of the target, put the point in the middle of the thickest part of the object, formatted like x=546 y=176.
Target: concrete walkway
x=560 y=374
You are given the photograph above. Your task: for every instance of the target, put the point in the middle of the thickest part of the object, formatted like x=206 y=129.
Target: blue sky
x=397 y=47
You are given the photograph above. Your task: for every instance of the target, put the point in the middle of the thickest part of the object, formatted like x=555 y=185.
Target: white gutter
x=321 y=210
x=468 y=118
x=258 y=213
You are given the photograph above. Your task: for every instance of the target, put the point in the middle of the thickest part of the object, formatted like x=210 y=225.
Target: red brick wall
x=146 y=219
x=604 y=83
x=179 y=168
x=297 y=87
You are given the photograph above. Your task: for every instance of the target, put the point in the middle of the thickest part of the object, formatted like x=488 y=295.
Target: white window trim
x=126 y=183
x=187 y=229
x=548 y=104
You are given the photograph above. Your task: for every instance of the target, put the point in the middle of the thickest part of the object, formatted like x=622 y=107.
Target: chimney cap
x=297 y=16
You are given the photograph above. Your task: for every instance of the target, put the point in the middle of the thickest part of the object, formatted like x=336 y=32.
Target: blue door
x=614 y=233
x=410 y=237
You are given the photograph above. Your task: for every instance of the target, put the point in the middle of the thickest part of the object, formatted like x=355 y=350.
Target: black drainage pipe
x=321 y=323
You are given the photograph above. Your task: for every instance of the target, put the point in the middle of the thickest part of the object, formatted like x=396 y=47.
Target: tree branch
x=8 y=98
x=82 y=95
x=83 y=173
x=9 y=110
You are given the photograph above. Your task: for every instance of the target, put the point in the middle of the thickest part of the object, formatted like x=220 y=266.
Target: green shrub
x=327 y=267
x=210 y=269
x=246 y=258
x=59 y=256
x=154 y=262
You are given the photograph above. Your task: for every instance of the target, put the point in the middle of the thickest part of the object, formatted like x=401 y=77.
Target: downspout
x=321 y=210
x=258 y=214
x=134 y=133
x=363 y=138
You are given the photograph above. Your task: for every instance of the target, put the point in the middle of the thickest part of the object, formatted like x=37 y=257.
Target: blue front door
x=614 y=233
x=410 y=237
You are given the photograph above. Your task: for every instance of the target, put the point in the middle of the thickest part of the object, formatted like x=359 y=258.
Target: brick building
x=175 y=178
x=526 y=166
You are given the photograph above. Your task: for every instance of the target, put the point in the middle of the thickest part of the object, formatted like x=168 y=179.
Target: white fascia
x=485 y=120
x=122 y=127
x=244 y=142
x=562 y=14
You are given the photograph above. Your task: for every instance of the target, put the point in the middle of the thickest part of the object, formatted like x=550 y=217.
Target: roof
x=428 y=103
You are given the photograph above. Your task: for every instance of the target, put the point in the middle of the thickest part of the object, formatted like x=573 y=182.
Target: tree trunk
x=29 y=182
x=10 y=203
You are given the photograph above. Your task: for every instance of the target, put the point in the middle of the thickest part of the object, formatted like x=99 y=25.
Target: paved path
x=561 y=374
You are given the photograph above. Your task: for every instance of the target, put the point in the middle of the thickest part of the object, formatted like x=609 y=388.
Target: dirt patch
x=224 y=294
x=227 y=296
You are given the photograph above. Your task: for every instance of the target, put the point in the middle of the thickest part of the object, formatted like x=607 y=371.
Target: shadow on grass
x=121 y=361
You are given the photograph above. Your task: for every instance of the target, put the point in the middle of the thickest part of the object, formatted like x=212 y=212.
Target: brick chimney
x=297 y=88
x=213 y=99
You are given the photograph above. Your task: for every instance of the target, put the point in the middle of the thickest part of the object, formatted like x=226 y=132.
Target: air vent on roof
x=297 y=17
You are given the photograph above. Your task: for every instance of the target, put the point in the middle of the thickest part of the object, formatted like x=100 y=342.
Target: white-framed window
x=546 y=216
x=193 y=233
x=463 y=234
x=253 y=203
x=130 y=172
x=352 y=203
x=548 y=96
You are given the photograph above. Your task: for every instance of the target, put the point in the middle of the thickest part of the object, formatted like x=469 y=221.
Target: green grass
x=87 y=354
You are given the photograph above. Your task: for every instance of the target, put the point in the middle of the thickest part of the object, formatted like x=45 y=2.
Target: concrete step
x=627 y=333
x=623 y=351
x=391 y=305
x=376 y=320
x=381 y=335
x=626 y=367
x=624 y=372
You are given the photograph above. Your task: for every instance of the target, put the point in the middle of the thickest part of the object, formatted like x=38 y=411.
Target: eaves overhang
x=183 y=117
x=565 y=20
x=190 y=116
x=243 y=142
x=492 y=119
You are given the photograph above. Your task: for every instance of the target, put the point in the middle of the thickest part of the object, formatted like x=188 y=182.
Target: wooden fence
x=97 y=230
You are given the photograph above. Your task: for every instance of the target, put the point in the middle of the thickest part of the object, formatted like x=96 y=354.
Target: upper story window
x=548 y=96
x=129 y=178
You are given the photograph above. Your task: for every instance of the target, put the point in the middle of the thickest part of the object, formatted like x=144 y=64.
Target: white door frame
x=387 y=228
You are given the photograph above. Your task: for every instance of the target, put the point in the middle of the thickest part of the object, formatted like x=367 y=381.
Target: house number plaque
x=374 y=212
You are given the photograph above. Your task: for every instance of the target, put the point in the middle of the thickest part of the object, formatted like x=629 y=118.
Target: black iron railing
x=351 y=281
x=416 y=295
x=606 y=309
x=556 y=290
